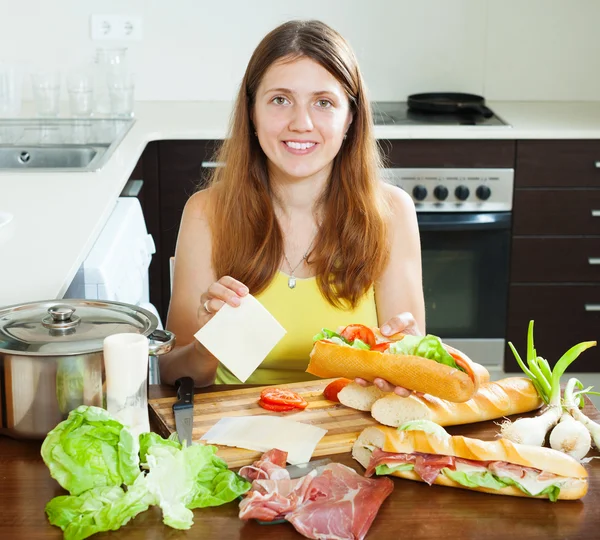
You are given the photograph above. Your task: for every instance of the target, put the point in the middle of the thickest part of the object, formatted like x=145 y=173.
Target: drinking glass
x=10 y=91
x=80 y=86
x=46 y=93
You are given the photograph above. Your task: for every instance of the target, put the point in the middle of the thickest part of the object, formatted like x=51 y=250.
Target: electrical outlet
x=116 y=28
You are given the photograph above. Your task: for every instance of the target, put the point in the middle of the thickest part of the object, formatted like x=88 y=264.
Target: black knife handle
x=185 y=393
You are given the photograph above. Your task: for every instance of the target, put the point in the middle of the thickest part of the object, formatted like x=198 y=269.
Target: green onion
x=547 y=384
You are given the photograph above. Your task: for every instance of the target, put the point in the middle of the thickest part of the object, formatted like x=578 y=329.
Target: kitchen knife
x=298 y=471
x=183 y=409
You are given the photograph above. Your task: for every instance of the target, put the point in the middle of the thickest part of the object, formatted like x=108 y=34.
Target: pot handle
x=160 y=342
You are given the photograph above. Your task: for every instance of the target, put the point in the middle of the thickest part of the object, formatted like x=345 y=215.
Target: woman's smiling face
x=301 y=114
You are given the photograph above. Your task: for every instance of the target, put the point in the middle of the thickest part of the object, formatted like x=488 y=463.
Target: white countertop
x=58 y=216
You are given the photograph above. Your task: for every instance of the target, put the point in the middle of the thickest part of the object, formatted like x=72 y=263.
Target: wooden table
x=414 y=510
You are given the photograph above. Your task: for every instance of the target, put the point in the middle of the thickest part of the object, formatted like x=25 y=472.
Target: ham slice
x=427 y=466
x=270 y=466
x=271 y=500
x=336 y=503
x=340 y=504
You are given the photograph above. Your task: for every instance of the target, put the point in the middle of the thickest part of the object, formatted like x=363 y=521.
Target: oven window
x=465 y=281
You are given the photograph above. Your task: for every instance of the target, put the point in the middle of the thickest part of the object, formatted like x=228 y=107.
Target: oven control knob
x=483 y=193
x=462 y=193
x=441 y=193
x=419 y=192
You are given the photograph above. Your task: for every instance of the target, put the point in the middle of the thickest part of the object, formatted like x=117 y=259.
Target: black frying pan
x=449 y=102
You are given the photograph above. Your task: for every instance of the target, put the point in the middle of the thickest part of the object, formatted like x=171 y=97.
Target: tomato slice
x=277 y=396
x=381 y=347
x=276 y=408
x=359 y=331
x=333 y=389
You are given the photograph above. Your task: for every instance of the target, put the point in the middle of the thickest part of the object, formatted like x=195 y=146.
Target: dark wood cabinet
x=558 y=164
x=564 y=315
x=183 y=168
x=550 y=259
x=556 y=211
x=448 y=153
x=555 y=270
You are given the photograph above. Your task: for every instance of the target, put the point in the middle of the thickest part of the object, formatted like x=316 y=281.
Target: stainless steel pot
x=51 y=358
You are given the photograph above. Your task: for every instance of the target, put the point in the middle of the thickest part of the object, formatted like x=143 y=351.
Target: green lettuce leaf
x=489 y=480
x=334 y=337
x=99 y=509
x=387 y=469
x=328 y=334
x=91 y=449
x=425 y=425
x=150 y=439
x=426 y=347
x=475 y=479
x=551 y=491
x=192 y=477
x=359 y=344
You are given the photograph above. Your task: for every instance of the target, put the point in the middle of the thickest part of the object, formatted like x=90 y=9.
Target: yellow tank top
x=302 y=311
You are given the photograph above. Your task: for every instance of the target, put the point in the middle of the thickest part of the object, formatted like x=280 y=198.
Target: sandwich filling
x=469 y=473
x=428 y=346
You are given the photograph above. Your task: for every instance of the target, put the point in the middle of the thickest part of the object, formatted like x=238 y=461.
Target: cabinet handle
x=212 y=164
x=592 y=307
x=597 y=164
x=595 y=213
x=594 y=260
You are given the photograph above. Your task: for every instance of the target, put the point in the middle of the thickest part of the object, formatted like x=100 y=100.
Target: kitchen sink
x=50 y=157
x=61 y=144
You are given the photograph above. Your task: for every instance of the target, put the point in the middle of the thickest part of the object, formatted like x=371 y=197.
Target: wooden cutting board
x=343 y=424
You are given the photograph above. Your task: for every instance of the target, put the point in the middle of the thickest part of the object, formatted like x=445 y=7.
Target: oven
x=464 y=220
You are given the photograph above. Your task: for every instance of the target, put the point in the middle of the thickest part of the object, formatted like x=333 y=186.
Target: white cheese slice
x=531 y=483
x=262 y=433
x=241 y=337
x=467 y=468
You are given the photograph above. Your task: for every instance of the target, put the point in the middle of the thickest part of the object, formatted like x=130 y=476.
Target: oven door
x=465 y=280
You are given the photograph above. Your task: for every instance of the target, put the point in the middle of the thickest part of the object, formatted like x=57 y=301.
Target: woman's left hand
x=404 y=323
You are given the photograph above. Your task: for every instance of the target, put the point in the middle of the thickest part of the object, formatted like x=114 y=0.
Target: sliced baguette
x=359 y=397
x=513 y=395
x=329 y=360
x=408 y=442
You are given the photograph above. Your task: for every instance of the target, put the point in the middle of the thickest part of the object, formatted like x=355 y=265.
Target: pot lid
x=70 y=327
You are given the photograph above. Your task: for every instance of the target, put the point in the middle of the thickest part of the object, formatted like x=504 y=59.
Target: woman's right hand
x=226 y=290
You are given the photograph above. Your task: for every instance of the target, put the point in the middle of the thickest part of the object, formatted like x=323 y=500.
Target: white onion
x=531 y=431
x=571 y=437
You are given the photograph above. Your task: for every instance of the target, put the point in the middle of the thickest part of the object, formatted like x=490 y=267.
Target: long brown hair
x=351 y=248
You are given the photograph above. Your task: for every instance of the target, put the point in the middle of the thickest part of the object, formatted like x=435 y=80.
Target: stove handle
x=464 y=221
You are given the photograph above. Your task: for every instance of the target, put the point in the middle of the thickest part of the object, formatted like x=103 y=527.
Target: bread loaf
x=329 y=360
x=409 y=442
x=513 y=395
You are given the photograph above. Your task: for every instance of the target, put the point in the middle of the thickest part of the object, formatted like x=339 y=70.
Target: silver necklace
x=292 y=278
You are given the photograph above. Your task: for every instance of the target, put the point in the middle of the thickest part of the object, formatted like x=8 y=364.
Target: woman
x=298 y=217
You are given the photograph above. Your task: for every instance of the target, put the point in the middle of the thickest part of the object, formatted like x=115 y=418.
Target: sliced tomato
x=359 y=331
x=381 y=347
x=277 y=396
x=333 y=389
x=276 y=408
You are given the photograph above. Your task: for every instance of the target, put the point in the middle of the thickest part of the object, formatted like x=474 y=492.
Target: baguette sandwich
x=513 y=395
x=421 y=363
x=425 y=452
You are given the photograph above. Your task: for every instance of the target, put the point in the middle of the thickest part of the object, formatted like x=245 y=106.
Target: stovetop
x=390 y=113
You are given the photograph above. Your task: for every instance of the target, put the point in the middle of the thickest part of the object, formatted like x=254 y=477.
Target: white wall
x=198 y=49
